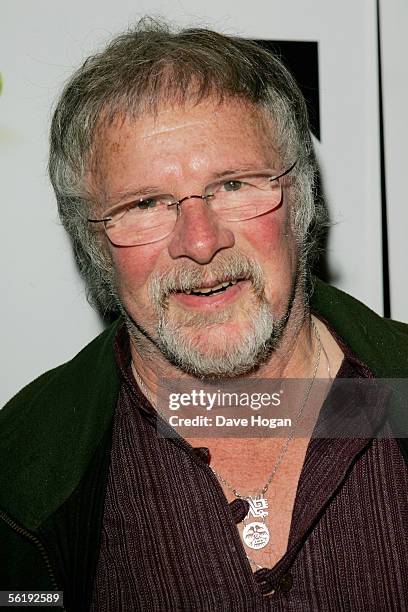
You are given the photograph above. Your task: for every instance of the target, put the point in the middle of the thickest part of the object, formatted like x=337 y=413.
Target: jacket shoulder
x=51 y=428
x=381 y=343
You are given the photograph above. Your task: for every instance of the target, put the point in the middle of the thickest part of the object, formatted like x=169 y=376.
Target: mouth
x=211 y=290
x=211 y=296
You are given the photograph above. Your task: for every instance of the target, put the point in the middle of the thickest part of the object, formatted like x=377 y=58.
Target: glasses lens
x=147 y=221
x=246 y=198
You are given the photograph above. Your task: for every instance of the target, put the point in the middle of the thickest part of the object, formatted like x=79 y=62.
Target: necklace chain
x=285 y=447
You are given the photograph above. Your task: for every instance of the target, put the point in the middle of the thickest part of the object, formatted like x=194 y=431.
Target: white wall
x=394 y=48
x=44 y=313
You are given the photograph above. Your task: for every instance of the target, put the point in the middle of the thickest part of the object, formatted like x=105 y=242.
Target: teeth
x=206 y=290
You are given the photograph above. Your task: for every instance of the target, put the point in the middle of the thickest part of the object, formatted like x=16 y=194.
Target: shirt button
x=286 y=583
x=269 y=593
x=239 y=509
x=203 y=453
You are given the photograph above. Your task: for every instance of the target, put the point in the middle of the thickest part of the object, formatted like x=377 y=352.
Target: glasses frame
x=177 y=203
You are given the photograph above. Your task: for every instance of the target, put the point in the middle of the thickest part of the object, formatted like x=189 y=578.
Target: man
x=184 y=173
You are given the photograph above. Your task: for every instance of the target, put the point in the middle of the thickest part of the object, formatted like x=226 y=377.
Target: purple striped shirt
x=170 y=542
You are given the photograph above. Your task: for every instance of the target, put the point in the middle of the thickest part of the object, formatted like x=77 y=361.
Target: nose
x=198 y=234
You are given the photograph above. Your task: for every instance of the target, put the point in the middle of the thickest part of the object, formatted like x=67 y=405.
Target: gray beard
x=261 y=337
x=255 y=346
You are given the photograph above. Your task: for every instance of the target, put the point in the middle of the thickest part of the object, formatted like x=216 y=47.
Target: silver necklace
x=256 y=533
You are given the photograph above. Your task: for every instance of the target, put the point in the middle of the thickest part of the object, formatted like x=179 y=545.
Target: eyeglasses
x=152 y=218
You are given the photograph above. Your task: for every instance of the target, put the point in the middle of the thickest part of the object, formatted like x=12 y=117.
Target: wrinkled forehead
x=231 y=121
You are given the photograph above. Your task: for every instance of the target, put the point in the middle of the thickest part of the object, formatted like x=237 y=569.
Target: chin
x=216 y=350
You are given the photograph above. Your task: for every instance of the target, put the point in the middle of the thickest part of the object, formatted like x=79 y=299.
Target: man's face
x=180 y=151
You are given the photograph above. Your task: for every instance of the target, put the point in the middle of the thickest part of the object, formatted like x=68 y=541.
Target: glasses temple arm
x=274 y=178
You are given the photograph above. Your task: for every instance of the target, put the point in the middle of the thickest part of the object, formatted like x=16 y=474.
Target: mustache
x=188 y=275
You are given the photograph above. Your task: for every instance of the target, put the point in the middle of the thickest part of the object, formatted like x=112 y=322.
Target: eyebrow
x=135 y=192
x=239 y=170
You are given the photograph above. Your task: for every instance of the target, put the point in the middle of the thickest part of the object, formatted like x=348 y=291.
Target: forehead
x=205 y=137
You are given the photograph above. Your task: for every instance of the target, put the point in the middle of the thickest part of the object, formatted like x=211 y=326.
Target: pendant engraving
x=257 y=506
x=256 y=535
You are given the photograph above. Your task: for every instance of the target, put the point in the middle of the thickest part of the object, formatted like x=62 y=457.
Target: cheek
x=271 y=242
x=271 y=239
x=133 y=267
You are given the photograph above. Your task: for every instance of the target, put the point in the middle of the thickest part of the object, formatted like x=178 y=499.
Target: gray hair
x=133 y=75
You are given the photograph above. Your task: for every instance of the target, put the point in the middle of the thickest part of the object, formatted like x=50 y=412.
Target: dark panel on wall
x=302 y=59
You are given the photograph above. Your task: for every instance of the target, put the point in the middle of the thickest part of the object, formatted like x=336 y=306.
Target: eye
x=233 y=185
x=145 y=204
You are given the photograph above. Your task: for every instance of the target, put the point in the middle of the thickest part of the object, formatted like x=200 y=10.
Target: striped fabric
x=170 y=542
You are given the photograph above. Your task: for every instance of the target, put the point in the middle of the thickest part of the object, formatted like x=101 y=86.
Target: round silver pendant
x=256 y=535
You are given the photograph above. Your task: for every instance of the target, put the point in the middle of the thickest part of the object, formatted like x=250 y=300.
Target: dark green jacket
x=55 y=438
